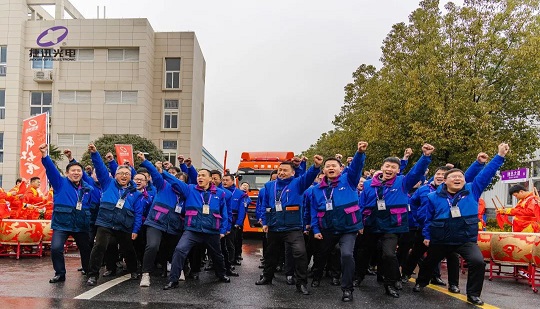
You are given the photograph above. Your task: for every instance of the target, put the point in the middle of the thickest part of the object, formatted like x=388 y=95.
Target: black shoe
x=398 y=285
x=80 y=269
x=231 y=273
x=134 y=276
x=83 y=272
x=315 y=283
x=261 y=259
x=290 y=280
x=209 y=267
x=335 y=282
x=391 y=291
x=92 y=281
x=240 y=258
x=417 y=288
x=224 y=279
x=356 y=282
x=475 y=300
x=371 y=271
x=109 y=273
x=405 y=278
x=264 y=281
x=302 y=288
x=57 y=279
x=236 y=262
x=347 y=296
x=261 y=266
x=171 y=285
x=453 y=289
x=438 y=281
x=193 y=276
x=232 y=267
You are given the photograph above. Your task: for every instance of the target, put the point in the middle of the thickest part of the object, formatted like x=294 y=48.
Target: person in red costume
x=527 y=211
x=481 y=215
x=14 y=197
x=33 y=199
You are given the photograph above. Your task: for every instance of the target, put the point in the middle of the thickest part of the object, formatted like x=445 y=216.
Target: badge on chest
x=381 y=205
x=454 y=211
x=120 y=203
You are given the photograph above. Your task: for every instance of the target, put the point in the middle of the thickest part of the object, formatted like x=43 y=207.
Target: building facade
x=96 y=77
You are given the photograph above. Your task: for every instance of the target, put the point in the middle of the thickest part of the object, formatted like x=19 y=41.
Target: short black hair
x=442 y=168
x=215 y=172
x=183 y=174
x=392 y=160
x=205 y=169
x=332 y=159
x=142 y=173
x=18 y=181
x=289 y=163
x=229 y=175
x=176 y=168
x=142 y=170
x=452 y=170
x=34 y=178
x=516 y=189
x=71 y=164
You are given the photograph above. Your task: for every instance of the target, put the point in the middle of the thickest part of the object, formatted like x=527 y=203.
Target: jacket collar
x=378 y=182
x=324 y=182
x=212 y=188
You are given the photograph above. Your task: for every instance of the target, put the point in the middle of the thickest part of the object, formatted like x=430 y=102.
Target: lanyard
x=386 y=189
x=80 y=193
x=124 y=193
x=209 y=198
x=281 y=195
x=331 y=193
x=452 y=201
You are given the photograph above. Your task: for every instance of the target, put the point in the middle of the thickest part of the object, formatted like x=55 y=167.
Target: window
x=1 y=180
x=73 y=139
x=172 y=73
x=170 y=156
x=120 y=97
x=1 y=147
x=40 y=102
x=170 y=114
x=84 y=54
x=128 y=55
x=2 y=104
x=42 y=63
x=167 y=144
x=74 y=96
x=3 y=60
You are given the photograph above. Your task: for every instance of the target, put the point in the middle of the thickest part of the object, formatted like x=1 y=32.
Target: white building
x=117 y=76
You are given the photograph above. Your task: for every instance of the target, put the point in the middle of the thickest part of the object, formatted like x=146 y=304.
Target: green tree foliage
x=106 y=144
x=463 y=80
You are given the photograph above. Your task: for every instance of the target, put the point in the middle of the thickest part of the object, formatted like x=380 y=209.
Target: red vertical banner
x=124 y=153
x=34 y=133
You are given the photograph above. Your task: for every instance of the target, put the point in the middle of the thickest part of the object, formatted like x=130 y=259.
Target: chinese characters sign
x=124 y=153
x=519 y=175
x=49 y=38
x=34 y=133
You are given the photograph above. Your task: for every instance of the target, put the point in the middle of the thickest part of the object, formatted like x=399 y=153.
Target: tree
x=463 y=80
x=106 y=144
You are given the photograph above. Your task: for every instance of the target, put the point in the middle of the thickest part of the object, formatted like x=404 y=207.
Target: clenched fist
x=427 y=149
x=318 y=160
x=482 y=157
x=362 y=146
x=503 y=149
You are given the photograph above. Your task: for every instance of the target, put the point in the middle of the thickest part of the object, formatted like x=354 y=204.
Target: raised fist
x=141 y=156
x=504 y=148
x=349 y=160
x=67 y=153
x=180 y=159
x=427 y=149
x=109 y=156
x=407 y=153
x=43 y=148
x=482 y=157
x=318 y=160
x=362 y=146
x=338 y=156
x=92 y=148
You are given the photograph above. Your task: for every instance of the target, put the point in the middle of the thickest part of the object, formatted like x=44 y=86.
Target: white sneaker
x=145 y=280
x=169 y=267
x=523 y=274
x=182 y=276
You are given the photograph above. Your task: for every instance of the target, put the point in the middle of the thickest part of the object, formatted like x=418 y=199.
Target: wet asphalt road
x=24 y=284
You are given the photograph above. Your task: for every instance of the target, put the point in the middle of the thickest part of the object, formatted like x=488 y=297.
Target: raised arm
x=177 y=185
x=419 y=169
x=101 y=170
x=484 y=177
x=476 y=167
x=357 y=165
x=157 y=179
x=53 y=175
x=306 y=180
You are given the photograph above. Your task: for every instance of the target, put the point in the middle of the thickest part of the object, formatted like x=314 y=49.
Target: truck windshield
x=256 y=181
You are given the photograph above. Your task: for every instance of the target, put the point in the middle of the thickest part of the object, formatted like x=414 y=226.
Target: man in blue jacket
x=71 y=213
x=205 y=223
x=452 y=224
x=119 y=217
x=384 y=205
x=283 y=220
x=336 y=217
x=237 y=201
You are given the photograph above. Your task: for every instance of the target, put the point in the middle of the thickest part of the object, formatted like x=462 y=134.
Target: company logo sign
x=52 y=36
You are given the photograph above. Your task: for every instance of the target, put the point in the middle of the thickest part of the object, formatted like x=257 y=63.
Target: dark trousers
x=238 y=241
x=140 y=244
x=388 y=265
x=296 y=240
x=472 y=255
x=289 y=261
x=188 y=240
x=229 y=240
x=57 y=250
x=103 y=238
x=225 y=252
x=405 y=243
x=327 y=244
x=418 y=251
x=157 y=240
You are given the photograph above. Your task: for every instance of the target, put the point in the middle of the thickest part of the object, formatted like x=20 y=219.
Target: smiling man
x=71 y=213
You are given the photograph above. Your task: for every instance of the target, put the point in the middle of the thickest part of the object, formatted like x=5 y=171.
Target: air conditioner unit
x=43 y=76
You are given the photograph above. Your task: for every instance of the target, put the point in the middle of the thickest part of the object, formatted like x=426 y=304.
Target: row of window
x=41 y=102
x=87 y=54
x=3 y=58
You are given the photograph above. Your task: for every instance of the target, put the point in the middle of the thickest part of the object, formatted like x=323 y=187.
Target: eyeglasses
x=123 y=173
x=458 y=176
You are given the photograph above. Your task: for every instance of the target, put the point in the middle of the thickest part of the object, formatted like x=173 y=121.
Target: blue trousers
x=57 y=250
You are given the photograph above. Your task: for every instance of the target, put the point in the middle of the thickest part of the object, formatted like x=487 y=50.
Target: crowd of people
x=25 y=201
x=348 y=222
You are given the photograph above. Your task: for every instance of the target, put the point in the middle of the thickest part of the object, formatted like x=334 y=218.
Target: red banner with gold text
x=34 y=133
x=124 y=153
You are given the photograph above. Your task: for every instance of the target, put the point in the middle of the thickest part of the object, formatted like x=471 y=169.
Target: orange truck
x=255 y=169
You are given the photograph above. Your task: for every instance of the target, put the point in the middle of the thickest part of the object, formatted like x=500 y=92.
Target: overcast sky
x=275 y=69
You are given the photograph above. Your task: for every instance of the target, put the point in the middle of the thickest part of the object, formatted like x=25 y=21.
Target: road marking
x=103 y=287
x=461 y=297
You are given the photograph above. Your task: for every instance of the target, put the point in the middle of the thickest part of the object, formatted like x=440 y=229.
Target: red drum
x=47 y=231
x=25 y=232
x=484 y=243
x=513 y=248
x=536 y=252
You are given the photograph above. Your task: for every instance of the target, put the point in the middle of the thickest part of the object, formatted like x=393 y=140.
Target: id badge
x=381 y=205
x=454 y=210
x=178 y=209
x=206 y=209
x=120 y=203
x=79 y=205
x=329 y=205
x=278 y=206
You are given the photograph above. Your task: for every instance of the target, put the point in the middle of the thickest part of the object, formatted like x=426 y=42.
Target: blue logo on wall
x=52 y=36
